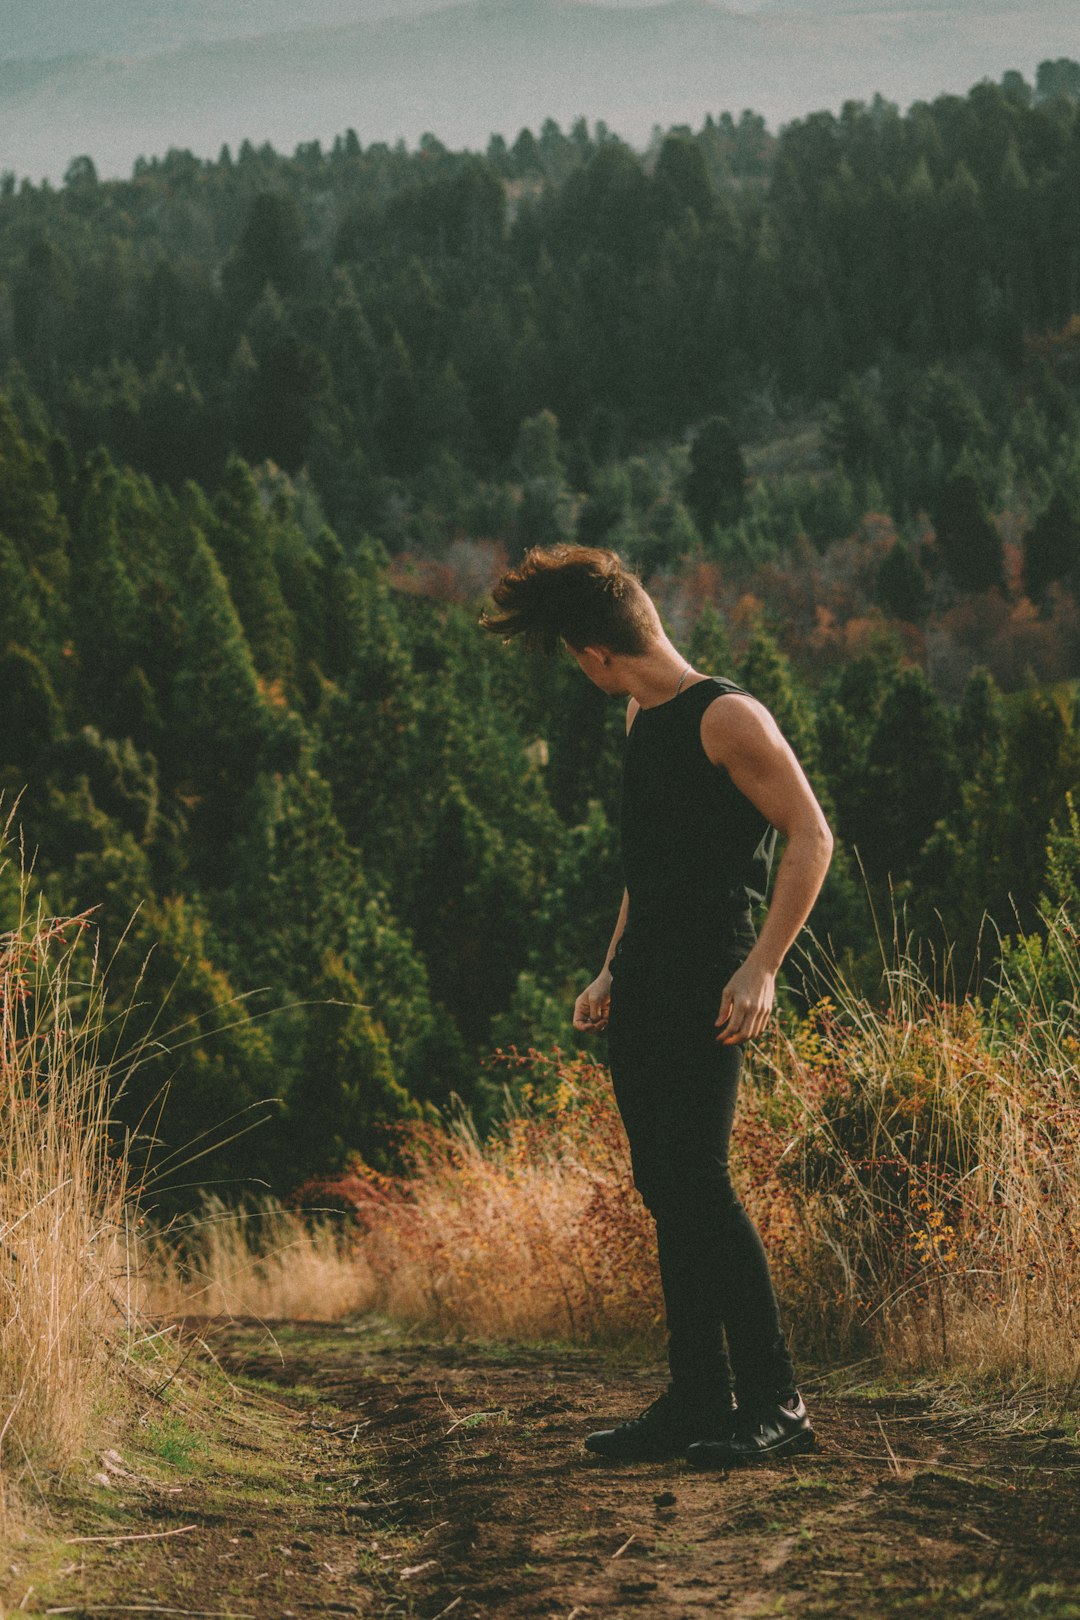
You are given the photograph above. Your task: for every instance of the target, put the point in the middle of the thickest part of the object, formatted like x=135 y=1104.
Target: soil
x=355 y=1470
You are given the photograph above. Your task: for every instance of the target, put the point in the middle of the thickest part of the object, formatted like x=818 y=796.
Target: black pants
x=676 y=1088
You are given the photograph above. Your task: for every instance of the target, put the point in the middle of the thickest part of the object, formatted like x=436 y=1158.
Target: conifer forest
x=271 y=425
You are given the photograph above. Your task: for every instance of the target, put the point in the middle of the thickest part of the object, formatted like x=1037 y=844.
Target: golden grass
x=84 y=1280
x=261 y=1260
x=536 y=1232
x=912 y=1164
x=64 y=1321
x=935 y=1165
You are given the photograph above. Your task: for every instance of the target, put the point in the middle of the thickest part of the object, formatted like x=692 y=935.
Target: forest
x=271 y=425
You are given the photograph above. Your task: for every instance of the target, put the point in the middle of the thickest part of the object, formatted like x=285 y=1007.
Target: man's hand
x=745 y=1003
x=593 y=1005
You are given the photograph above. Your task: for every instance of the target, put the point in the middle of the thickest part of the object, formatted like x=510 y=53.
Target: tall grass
x=912 y=1163
x=84 y=1280
x=935 y=1165
x=64 y=1317
x=258 y=1260
x=534 y=1232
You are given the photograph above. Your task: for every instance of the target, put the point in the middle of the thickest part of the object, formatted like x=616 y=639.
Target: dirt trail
x=451 y=1480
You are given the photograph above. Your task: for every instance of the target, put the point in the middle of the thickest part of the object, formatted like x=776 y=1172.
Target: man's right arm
x=594 y=1003
x=592 y=1006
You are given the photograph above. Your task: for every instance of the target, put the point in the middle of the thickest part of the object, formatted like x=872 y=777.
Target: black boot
x=666 y=1428
x=759 y=1433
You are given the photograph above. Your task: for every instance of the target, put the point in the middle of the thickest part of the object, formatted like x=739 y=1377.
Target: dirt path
x=429 y=1480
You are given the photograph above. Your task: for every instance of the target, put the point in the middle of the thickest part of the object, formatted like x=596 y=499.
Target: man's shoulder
x=739 y=722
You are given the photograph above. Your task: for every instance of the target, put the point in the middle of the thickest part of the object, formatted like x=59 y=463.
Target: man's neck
x=654 y=677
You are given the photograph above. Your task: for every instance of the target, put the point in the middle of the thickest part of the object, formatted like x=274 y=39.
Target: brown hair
x=579 y=594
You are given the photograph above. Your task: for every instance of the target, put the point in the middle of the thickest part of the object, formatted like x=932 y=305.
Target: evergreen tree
x=201 y=1093
x=242 y=538
x=990 y=856
x=682 y=181
x=856 y=429
x=1052 y=546
x=910 y=777
x=32 y=717
x=107 y=625
x=716 y=482
x=607 y=508
x=346 y=1092
x=270 y=249
x=20 y=617
x=979 y=725
x=219 y=731
x=902 y=587
x=709 y=648
x=969 y=544
x=33 y=525
x=768 y=676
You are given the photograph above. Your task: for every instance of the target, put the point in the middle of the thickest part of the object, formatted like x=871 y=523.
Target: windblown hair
x=579 y=594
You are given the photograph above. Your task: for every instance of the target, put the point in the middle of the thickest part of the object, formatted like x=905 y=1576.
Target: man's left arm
x=740 y=734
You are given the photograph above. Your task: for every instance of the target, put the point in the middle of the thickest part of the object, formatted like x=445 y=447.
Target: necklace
x=682 y=678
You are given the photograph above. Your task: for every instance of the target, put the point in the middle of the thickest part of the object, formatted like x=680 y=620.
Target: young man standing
x=708 y=781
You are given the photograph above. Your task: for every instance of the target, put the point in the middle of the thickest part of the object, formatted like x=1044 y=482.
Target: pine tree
x=218 y=718
x=768 y=675
x=910 y=777
x=969 y=543
x=1052 y=546
x=979 y=724
x=709 y=648
x=901 y=587
x=108 y=632
x=20 y=617
x=270 y=249
x=346 y=1092
x=32 y=719
x=716 y=483
x=31 y=519
x=990 y=855
x=241 y=535
x=205 y=1095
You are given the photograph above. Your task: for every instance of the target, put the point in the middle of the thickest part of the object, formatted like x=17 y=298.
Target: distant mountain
x=466 y=70
x=973 y=9
x=44 y=28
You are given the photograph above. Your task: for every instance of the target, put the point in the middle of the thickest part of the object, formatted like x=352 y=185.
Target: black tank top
x=696 y=853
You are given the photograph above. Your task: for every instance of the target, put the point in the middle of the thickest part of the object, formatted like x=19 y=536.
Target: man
x=708 y=781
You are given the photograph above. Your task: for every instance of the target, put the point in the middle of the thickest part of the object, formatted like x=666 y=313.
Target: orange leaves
x=910 y=1167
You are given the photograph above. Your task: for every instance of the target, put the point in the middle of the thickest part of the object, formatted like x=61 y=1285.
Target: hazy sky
x=200 y=73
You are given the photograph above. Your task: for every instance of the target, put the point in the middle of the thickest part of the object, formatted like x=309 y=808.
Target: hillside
x=467 y=70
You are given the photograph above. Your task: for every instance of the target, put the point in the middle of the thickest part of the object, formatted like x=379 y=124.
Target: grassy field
x=415 y=1448
x=911 y=1165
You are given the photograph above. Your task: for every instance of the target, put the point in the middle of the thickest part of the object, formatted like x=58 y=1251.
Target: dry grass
x=935 y=1166
x=913 y=1166
x=262 y=1260
x=536 y=1232
x=83 y=1280
x=64 y=1323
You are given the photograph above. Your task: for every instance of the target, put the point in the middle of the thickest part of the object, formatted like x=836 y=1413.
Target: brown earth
x=353 y=1470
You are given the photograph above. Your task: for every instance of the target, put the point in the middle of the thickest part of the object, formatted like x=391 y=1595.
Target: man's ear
x=601 y=654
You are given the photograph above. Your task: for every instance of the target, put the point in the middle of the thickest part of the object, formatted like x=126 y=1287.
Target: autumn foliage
x=911 y=1169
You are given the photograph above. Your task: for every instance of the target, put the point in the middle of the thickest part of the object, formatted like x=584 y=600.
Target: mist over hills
x=48 y=28
x=139 y=79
